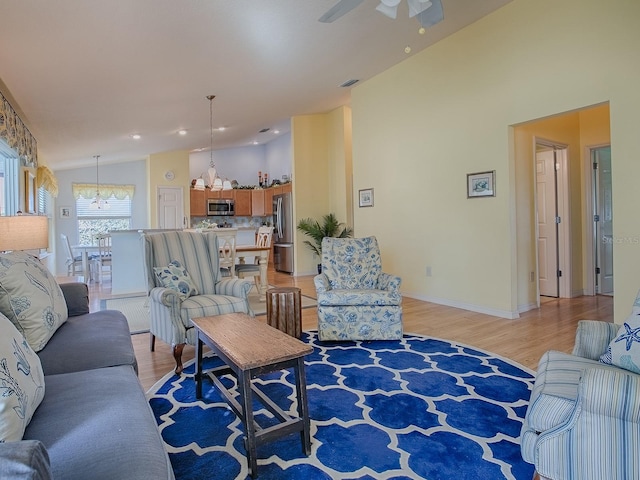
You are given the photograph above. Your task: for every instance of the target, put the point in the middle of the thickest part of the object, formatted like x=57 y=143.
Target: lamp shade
x=24 y=232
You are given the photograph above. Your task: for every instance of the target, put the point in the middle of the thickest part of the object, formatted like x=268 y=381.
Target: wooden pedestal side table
x=284 y=310
x=250 y=348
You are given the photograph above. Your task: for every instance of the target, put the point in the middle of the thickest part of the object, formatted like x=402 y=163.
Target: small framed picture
x=481 y=184
x=65 y=212
x=366 y=197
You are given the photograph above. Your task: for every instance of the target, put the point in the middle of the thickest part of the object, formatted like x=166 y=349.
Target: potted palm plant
x=328 y=227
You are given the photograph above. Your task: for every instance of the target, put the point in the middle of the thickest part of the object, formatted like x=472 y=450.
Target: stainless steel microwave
x=220 y=207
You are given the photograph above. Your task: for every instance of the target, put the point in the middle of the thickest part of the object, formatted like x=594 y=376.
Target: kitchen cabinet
x=268 y=196
x=226 y=194
x=243 y=203
x=268 y=202
x=257 y=203
x=198 y=203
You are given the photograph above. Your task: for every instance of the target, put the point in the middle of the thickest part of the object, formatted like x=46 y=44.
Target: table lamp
x=24 y=232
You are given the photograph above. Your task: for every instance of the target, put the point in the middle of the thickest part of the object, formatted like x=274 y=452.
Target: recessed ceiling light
x=182 y=132
x=255 y=142
x=275 y=132
x=136 y=136
x=221 y=129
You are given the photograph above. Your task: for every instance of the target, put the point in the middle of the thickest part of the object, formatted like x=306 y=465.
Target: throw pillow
x=21 y=382
x=176 y=277
x=31 y=298
x=624 y=349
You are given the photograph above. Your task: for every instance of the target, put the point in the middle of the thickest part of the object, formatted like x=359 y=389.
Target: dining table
x=262 y=253
x=85 y=250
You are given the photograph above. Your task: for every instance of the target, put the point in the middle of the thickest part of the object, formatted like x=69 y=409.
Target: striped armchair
x=171 y=311
x=356 y=299
x=583 y=418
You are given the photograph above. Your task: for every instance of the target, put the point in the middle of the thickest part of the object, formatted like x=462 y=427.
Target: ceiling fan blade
x=431 y=15
x=338 y=10
x=391 y=12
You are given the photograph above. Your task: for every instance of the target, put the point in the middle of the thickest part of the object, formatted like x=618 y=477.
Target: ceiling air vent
x=264 y=130
x=348 y=83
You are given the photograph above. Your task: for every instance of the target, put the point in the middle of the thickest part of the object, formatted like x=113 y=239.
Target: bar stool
x=284 y=310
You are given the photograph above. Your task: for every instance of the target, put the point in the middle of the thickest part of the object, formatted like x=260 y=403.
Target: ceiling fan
x=428 y=12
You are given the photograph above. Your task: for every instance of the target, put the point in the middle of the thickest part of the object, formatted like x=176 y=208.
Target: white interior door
x=170 y=208
x=547 y=226
x=603 y=220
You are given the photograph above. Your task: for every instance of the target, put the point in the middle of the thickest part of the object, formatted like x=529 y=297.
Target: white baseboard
x=527 y=307
x=465 y=306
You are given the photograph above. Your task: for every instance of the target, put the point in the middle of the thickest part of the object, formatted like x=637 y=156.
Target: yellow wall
x=421 y=126
x=157 y=165
x=577 y=130
x=322 y=174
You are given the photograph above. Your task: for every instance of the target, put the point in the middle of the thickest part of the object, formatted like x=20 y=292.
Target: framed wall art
x=366 y=197
x=481 y=184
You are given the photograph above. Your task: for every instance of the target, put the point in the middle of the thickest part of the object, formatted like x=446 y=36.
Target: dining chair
x=102 y=261
x=227 y=246
x=74 y=262
x=263 y=239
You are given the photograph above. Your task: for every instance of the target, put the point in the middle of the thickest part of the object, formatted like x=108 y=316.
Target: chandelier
x=98 y=202
x=215 y=182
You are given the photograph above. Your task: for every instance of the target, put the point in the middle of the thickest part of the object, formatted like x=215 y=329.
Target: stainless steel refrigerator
x=284 y=231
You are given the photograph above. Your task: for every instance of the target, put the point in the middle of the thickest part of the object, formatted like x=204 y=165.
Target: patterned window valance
x=88 y=190
x=17 y=135
x=47 y=180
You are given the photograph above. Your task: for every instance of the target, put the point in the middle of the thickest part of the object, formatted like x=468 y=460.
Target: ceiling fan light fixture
x=391 y=12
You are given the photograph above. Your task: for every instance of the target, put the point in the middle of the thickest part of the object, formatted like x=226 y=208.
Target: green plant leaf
x=330 y=227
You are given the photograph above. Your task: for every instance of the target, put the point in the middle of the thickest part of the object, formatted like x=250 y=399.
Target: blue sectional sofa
x=93 y=420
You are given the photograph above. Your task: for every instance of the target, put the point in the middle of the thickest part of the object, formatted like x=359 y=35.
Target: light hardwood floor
x=523 y=340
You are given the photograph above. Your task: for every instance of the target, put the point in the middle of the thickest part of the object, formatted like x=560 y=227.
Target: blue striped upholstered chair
x=583 y=419
x=356 y=300
x=171 y=313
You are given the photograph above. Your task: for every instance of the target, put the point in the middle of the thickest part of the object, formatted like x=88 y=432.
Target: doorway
x=603 y=240
x=552 y=204
x=170 y=208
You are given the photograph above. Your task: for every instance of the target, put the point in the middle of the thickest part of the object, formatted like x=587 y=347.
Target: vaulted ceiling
x=87 y=75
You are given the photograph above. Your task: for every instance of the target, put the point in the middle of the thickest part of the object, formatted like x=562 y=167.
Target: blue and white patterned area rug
x=417 y=408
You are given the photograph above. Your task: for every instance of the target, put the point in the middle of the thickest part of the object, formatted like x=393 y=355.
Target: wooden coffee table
x=250 y=348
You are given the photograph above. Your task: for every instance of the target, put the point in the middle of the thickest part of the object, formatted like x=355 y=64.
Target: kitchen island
x=128 y=276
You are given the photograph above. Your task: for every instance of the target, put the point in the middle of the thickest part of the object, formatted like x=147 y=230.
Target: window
x=93 y=222
x=9 y=168
x=43 y=202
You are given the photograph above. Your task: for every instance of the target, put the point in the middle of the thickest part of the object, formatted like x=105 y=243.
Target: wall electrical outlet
x=532 y=276
x=428 y=271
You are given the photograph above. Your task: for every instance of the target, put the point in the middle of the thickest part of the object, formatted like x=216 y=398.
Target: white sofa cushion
x=31 y=298
x=21 y=382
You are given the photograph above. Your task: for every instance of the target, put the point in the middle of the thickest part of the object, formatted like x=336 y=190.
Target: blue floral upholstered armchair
x=184 y=282
x=583 y=418
x=356 y=300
